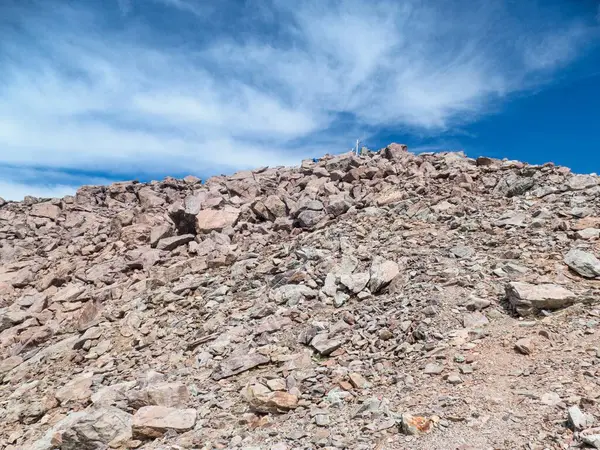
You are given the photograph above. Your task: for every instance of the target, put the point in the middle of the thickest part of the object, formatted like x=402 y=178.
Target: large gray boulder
x=584 y=263
x=529 y=298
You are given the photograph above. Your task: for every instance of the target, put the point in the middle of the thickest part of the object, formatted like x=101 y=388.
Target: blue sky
x=99 y=90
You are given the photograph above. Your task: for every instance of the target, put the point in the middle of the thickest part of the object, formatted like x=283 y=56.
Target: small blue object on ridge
x=315 y=160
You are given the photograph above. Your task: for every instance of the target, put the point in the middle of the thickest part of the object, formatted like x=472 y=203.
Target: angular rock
x=92 y=429
x=154 y=421
x=263 y=401
x=324 y=345
x=524 y=346
x=588 y=234
x=356 y=282
x=216 y=220
x=382 y=273
x=584 y=263
x=529 y=298
x=46 y=210
x=433 y=369
x=77 y=389
x=580 y=420
x=160 y=232
x=309 y=219
x=172 y=243
x=173 y=395
x=415 y=425
x=238 y=364
x=275 y=206
x=113 y=395
x=475 y=320
x=292 y=294
x=579 y=182
x=462 y=251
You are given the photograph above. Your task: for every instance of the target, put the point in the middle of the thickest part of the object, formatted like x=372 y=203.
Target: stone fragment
x=550 y=399
x=382 y=273
x=477 y=304
x=356 y=282
x=358 y=381
x=154 y=421
x=160 y=232
x=528 y=298
x=588 y=234
x=475 y=320
x=292 y=294
x=433 y=369
x=309 y=219
x=591 y=437
x=524 y=346
x=262 y=401
x=238 y=364
x=271 y=324
x=324 y=345
x=173 y=395
x=46 y=210
x=580 y=420
x=209 y=220
x=171 y=243
x=454 y=378
x=580 y=182
x=416 y=425
x=275 y=206
x=584 y=263
x=77 y=389
x=91 y=429
x=462 y=251
x=9 y=319
x=113 y=395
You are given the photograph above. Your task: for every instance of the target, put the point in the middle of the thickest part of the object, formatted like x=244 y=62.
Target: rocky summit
x=382 y=301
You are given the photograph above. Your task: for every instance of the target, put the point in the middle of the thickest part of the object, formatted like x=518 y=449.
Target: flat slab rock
x=173 y=242
x=527 y=298
x=238 y=364
x=154 y=421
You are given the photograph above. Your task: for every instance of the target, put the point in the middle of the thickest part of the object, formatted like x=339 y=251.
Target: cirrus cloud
x=123 y=95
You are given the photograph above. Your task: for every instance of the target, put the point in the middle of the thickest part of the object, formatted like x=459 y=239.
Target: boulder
x=382 y=273
x=46 y=210
x=77 y=389
x=160 y=232
x=308 y=219
x=149 y=199
x=154 y=421
x=528 y=298
x=395 y=152
x=263 y=401
x=209 y=220
x=91 y=429
x=173 y=395
x=584 y=263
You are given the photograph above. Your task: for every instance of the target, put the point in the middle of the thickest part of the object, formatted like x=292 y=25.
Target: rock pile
x=388 y=300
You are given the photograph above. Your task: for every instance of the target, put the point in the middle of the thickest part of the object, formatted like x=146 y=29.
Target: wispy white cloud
x=80 y=94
